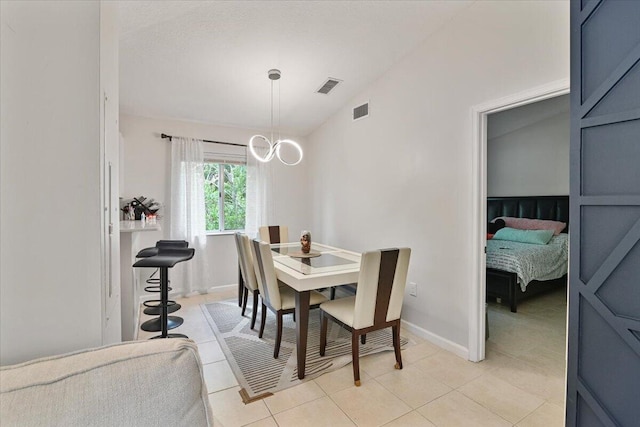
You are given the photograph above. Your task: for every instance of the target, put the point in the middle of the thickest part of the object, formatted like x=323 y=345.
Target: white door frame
x=477 y=283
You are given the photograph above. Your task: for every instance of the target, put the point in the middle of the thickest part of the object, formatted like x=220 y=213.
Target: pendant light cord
x=271 y=110
x=278 y=117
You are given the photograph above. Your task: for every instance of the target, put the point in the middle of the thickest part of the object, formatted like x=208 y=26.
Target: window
x=225 y=192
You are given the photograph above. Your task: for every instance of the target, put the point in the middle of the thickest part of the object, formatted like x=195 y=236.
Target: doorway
x=480 y=115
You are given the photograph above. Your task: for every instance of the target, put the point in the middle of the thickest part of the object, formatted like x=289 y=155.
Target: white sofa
x=140 y=383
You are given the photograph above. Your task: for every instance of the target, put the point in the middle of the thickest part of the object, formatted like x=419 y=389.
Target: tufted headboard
x=539 y=207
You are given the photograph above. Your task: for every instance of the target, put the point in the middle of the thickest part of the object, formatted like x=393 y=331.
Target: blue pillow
x=537 y=237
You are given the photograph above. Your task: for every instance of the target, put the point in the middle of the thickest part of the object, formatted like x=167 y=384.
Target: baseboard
x=232 y=285
x=441 y=342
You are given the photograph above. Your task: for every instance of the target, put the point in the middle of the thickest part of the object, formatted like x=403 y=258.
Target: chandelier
x=274 y=145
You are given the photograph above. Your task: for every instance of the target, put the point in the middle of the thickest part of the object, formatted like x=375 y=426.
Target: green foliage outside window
x=211 y=196
x=234 y=179
x=235 y=196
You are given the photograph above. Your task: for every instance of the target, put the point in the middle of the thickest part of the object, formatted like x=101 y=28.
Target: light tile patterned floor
x=521 y=383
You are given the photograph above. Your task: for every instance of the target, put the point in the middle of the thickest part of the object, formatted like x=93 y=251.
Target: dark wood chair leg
x=355 y=355
x=333 y=293
x=323 y=333
x=245 y=295
x=240 y=286
x=276 y=350
x=396 y=344
x=263 y=320
x=255 y=309
x=363 y=339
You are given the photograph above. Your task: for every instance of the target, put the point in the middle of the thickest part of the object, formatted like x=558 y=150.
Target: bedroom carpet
x=251 y=358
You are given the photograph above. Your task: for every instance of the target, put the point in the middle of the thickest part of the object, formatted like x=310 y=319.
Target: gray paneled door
x=603 y=372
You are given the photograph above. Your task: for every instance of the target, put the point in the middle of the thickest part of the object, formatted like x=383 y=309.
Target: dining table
x=326 y=266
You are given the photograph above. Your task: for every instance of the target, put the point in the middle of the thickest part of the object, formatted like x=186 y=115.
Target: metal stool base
x=154 y=310
x=154 y=325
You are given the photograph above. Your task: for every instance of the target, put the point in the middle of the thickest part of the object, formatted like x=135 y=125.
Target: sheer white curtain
x=187 y=213
x=259 y=208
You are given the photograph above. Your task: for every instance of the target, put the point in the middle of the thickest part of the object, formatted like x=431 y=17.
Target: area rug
x=251 y=358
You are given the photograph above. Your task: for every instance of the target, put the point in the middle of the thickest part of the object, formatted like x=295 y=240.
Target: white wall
x=147 y=172
x=50 y=298
x=110 y=158
x=528 y=150
x=402 y=177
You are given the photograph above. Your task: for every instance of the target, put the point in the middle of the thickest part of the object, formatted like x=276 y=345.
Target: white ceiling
x=208 y=61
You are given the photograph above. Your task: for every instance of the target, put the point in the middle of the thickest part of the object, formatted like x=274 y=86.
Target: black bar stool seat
x=172 y=244
x=166 y=258
x=154 y=306
x=148 y=252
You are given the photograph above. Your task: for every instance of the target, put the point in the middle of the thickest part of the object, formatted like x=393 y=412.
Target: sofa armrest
x=138 y=383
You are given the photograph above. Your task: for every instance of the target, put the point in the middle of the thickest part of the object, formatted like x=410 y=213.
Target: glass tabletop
x=292 y=248
x=330 y=259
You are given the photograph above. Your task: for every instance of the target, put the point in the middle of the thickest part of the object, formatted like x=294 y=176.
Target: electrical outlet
x=413 y=289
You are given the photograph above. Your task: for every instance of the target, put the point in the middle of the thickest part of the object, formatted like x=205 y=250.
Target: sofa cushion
x=139 y=383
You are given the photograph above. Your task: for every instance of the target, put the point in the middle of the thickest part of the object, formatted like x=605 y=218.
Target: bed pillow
x=537 y=237
x=533 y=224
x=495 y=225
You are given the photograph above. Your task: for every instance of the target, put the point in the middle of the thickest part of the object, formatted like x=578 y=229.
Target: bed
x=516 y=271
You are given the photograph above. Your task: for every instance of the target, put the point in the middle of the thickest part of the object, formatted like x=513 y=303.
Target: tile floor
x=521 y=383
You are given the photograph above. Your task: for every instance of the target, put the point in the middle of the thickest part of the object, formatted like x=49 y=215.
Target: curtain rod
x=169 y=137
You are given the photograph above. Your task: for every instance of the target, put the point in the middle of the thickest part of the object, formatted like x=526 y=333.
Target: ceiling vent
x=361 y=112
x=328 y=86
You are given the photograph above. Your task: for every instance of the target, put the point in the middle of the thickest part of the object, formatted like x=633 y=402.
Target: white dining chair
x=274 y=233
x=376 y=305
x=245 y=259
x=279 y=299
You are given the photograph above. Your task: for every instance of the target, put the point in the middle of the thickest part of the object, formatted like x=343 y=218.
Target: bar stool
x=153 y=307
x=165 y=259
